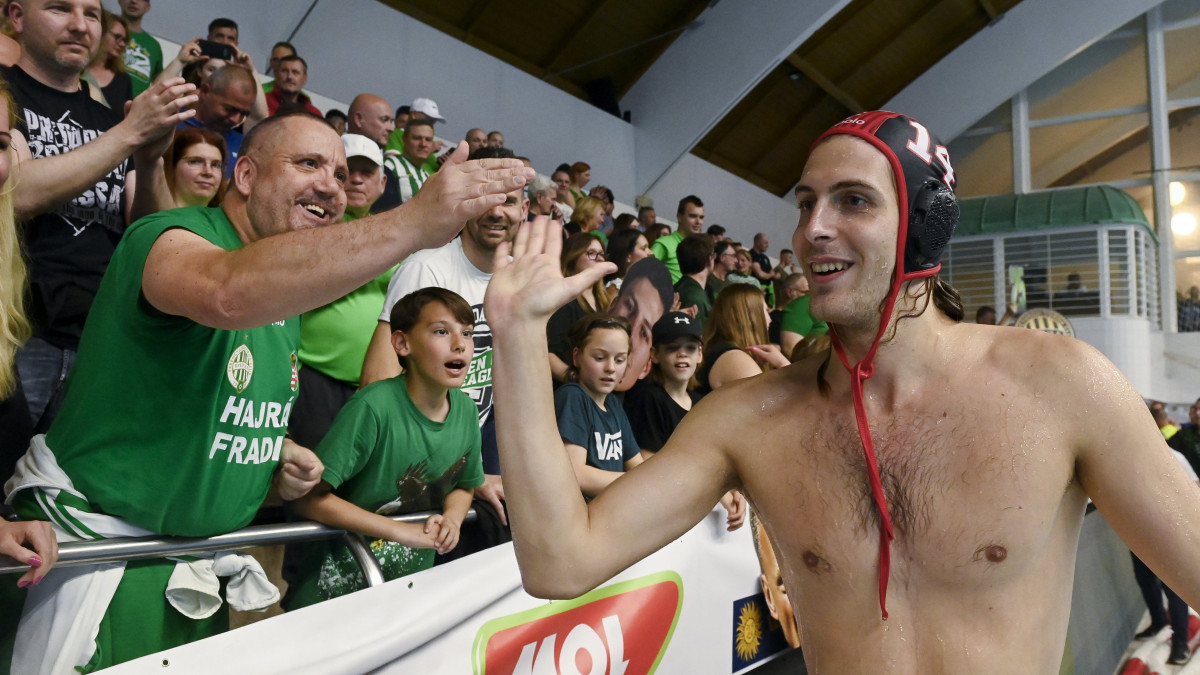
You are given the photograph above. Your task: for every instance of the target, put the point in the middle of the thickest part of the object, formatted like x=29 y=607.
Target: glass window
x=1109 y=74
x=1187 y=287
x=969 y=267
x=1182 y=55
x=1185 y=215
x=1095 y=151
x=983 y=164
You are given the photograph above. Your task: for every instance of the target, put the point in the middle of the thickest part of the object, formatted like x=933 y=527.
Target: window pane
x=1185 y=214
x=1075 y=273
x=1187 y=278
x=1182 y=47
x=1095 y=151
x=983 y=164
x=969 y=267
x=1109 y=74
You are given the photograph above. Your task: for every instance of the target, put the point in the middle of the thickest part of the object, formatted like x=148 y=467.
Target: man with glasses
x=724 y=262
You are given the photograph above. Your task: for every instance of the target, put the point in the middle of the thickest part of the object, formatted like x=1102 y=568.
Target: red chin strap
x=859 y=373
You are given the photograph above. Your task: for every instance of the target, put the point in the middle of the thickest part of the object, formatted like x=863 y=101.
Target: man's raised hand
x=461 y=191
x=531 y=286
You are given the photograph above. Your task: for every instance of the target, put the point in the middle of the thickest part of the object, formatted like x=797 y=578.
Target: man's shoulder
x=207 y=222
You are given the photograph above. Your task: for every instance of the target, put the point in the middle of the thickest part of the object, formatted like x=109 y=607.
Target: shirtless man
x=986 y=528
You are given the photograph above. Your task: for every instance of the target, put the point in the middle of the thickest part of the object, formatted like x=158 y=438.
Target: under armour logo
x=681 y=319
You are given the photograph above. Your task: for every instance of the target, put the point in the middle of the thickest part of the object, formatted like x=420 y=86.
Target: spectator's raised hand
x=461 y=191
x=241 y=58
x=299 y=470
x=190 y=53
x=531 y=285
x=32 y=543
x=154 y=114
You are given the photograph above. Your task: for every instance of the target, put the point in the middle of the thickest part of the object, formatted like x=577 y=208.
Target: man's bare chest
x=968 y=494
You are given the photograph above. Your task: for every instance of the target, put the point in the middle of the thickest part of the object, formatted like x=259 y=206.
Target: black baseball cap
x=675 y=325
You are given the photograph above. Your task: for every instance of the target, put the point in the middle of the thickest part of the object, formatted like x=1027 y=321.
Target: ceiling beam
x=475 y=14
x=672 y=110
x=989 y=9
x=555 y=63
x=827 y=85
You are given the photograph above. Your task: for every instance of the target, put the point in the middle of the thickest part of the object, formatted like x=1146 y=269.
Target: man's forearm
x=47 y=182
x=151 y=193
x=275 y=278
x=546 y=508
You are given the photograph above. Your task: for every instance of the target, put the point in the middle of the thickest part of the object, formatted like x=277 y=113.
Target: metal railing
x=140 y=548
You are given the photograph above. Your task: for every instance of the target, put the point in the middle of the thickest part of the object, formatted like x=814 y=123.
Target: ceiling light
x=1178 y=193
x=1183 y=224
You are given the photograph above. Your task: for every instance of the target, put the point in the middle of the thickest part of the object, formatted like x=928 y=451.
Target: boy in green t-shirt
x=402 y=445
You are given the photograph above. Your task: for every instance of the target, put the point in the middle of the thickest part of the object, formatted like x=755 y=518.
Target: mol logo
x=622 y=629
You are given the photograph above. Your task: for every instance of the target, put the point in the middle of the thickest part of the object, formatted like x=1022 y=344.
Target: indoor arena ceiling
x=597 y=49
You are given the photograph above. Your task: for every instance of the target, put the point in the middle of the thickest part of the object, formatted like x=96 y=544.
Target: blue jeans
x=43 y=369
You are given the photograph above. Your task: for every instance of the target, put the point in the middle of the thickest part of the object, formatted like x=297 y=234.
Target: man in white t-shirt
x=465 y=267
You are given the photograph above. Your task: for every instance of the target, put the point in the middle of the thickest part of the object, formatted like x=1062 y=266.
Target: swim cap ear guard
x=931 y=221
x=925 y=182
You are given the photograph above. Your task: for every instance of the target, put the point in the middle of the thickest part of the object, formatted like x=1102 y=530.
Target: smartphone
x=216 y=50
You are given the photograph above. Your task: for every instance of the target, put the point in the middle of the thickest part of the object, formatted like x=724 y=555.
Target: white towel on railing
x=62 y=614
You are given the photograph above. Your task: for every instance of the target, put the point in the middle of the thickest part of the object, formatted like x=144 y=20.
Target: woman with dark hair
x=625 y=247
x=110 y=84
x=581 y=251
x=735 y=339
x=195 y=165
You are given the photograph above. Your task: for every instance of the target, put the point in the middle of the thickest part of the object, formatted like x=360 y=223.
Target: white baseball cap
x=358 y=145
x=428 y=107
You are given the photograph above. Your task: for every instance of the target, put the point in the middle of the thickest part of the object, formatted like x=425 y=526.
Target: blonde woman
x=735 y=339
x=28 y=542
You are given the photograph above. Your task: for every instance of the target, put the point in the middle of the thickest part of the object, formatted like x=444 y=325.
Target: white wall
x=362 y=45
x=742 y=208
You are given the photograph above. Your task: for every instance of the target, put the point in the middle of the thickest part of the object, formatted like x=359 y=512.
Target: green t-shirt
x=143 y=60
x=691 y=293
x=169 y=424
x=798 y=318
x=664 y=249
x=383 y=455
x=334 y=338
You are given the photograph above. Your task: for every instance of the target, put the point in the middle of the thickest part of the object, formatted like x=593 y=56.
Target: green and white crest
x=240 y=368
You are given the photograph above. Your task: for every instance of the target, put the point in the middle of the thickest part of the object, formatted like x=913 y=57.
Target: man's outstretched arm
x=565 y=546
x=1134 y=479
x=275 y=277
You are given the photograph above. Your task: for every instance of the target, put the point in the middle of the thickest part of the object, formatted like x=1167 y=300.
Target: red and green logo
x=622 y=629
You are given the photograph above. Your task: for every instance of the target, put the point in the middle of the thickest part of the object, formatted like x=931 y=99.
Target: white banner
x=693 y=607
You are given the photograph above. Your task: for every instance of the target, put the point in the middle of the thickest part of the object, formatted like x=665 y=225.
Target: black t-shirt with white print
x=68 y=247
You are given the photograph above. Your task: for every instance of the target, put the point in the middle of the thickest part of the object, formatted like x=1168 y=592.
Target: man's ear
x=769 y=595
x=243 y=175
x=16 y=16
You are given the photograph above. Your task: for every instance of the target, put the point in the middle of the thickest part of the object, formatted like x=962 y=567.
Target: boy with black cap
x=657 y=403
x=846 y=465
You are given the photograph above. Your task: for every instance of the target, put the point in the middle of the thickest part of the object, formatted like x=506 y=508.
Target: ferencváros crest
x=240 y=368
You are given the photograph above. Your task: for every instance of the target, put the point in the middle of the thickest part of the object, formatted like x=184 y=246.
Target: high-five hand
x=531 y=286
